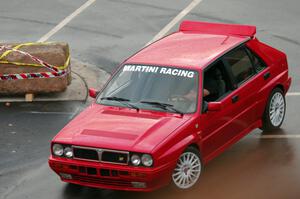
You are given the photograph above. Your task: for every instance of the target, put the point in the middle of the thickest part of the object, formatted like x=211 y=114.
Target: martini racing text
x=162 y=70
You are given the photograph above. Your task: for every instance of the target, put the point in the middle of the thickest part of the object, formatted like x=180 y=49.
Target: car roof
x=191 y=49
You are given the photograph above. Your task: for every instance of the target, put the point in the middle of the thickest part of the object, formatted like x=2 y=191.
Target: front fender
x=171 y=154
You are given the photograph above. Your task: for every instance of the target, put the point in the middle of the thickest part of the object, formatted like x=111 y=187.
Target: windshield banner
x=161 y=70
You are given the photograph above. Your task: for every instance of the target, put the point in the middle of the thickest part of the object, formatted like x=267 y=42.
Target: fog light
x=66 y=176
x=139 y=184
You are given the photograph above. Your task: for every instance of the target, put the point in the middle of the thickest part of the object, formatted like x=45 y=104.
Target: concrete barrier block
x=54 y=53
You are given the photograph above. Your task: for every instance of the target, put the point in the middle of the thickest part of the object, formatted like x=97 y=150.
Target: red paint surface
x=218 y=28
x=186 y=49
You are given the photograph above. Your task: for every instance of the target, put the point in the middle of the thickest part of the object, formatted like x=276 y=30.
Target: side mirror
x=93 y=92
x=214 y=106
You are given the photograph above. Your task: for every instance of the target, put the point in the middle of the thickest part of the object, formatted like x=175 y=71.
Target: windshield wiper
x=163 y=106
x=121 y=100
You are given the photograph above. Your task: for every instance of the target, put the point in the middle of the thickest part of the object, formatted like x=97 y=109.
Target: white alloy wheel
x=187 y=171
x=277 y=109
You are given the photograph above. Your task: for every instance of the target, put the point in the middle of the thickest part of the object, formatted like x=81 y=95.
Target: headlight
x=58 y=149
x=135 y=160
x=68 y=152
x=147 y=160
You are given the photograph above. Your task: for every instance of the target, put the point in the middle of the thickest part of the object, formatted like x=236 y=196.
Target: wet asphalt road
x=105 y=34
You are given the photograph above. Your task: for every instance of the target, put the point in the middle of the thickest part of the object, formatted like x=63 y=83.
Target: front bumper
x=110 y=176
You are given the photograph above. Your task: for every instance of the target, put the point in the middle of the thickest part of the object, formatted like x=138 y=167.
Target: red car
x=172 y=107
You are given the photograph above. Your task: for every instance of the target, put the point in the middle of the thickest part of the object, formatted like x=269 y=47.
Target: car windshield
x=166 y=89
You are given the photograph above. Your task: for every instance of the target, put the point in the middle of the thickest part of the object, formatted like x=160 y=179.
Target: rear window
x=241 y=65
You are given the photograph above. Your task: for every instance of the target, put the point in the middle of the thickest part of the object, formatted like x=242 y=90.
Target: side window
x=259 y=65
x=216 y=82
x=240 y=64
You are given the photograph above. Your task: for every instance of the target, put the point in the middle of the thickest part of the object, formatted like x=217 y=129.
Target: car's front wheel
x=188 y=169
x=275 y=111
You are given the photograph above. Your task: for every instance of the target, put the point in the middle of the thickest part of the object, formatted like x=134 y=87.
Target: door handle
x=235 y=98
x=267 y=75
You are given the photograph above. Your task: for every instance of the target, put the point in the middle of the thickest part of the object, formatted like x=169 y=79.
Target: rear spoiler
x=218 y=28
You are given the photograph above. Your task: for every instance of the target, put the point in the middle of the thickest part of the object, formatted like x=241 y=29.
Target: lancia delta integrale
x=172 y=107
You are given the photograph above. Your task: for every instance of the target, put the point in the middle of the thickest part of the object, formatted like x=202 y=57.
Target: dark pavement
x=106 y=33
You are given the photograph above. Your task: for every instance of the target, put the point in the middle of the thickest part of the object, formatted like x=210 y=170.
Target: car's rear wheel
x=275 y=111
x=188 y=169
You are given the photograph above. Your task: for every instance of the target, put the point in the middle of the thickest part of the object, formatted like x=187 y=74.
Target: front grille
x=116 y=157
x=102 y=181
x=104 y=172
x=82 y=153
x=101 y=155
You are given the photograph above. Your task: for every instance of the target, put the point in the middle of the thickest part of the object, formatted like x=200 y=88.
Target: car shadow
x=72 y=191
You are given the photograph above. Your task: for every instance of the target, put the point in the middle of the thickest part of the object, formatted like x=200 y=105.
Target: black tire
x=268 y=123
x=190 y=150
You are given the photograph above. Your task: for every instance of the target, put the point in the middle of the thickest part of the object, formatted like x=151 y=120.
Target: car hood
x=120 y=128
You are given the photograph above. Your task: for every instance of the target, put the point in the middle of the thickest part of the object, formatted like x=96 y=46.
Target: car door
x=224 y=127
x=245 y=96
x=262 y=77
x=218 y=127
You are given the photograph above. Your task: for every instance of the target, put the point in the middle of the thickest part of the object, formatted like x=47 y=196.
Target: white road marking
x=56 y=113
x=293 y=94
x=172 y=23
x=66 y=21
x=284 y=136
